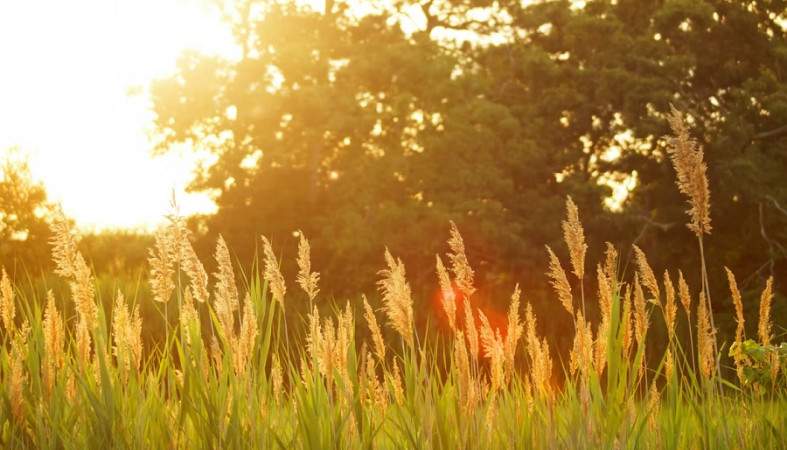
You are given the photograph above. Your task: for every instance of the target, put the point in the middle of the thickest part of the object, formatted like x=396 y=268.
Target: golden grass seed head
x=7 y=306
x=604 y=294
x=448 y=299
x=396 y=384
x=463 y=273
x=54 y=340
x=641 y=317
x=670 y=306
x=765 y=324
x=63 y=242
x=647 y=276
x=560 y=282
x=574 y=235
x=374 y=328
x=705 y=339
x=470 y=330
x=162 y=265
x=226 y=293
x=738 y=303
x=272 y=274
x=397 y=299
x=306 y=278
x=611 y=264
x=194 y=269
x=684 y=295
x=687 y=158
x=514 y=331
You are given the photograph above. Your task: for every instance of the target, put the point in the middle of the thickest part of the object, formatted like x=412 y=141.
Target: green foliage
x=761 y=363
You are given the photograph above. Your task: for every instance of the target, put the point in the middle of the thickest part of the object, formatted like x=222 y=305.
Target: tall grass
x=227 y=374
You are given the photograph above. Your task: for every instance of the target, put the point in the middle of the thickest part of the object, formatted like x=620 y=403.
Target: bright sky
x=65 y=72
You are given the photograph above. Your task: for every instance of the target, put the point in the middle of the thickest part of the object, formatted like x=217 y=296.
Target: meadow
x=230 y=374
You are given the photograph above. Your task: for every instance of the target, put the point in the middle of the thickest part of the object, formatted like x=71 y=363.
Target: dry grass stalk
x=244 y=343
x=195 y=271
x=397 y=298
x=670 y=306
x=306 y=278
x=470 y=330
x=692 y=181
x=7 y=306
x=162 y=259
x=448 y=299
x=226 y=292
x=463 y=274
x=705 y=339
x=396 y=384
x=514 y=332
x=764 y=328
x=684 y=295
x=647 y=276
x=127 y=337
x=574 y=235
x=272 y=274
x=54 y=340
x=374 y=328
x=493 y=351
x=465 y=378
x=560 y=282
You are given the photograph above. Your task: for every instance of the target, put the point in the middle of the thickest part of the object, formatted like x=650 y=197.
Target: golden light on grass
x=272 y=274
x=560 y=282
x=765 y=324
x=397 y=300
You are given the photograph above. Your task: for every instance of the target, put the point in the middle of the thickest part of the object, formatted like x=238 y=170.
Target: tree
x=24 y=213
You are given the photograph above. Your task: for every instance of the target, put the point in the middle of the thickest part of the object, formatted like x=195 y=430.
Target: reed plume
x=397 y=298
x=647 y=276
x=705 y=339
x=448 y=299
x=670 y=306
x=764 y=328
x=687 y=158
x=374 y=328
x=738 y=303
x=470 y=330
x=574 y=235
x=514 y=332
x=54 y=340
x=493 y=351
x=463 y=274
x=226 y=292
x=306 y=278
x=7 y=307
x=272 y=274
x=560 y=282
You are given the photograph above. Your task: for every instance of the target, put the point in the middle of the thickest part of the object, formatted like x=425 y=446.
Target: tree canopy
x=368 y=127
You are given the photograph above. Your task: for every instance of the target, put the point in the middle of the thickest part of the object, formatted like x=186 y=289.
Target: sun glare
x=73 y=95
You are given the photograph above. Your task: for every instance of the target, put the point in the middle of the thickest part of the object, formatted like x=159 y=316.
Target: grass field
x=228 y=374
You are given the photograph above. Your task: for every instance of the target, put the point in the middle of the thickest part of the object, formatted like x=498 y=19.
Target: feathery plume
x=736 y=300
x=670 y=307
x=272 y=274
x=669 y=367
x=194 y=270
x=64 y=247
x=493 y=351
x=641 y=319
x=574 y=236
x=277 y=380
x=647 y=276
x=448 y=299
x=18 y=375
x=581 y=357
x=610 y=264
x=465 y=380
x=627 y=321
x=705 y=338
x=397 y=298
x=127 y=336
x=7 y=308
x=306 y=278
x=162 y=258
x=560 y=282
x=604 y=294
x=692 y=181
x=463 y=274
x=54 y=338
x=374 y=328
x=244 y=344
x=396 y=384
x=513 y=332
x=684 y=295
x=764 y=328
x=226 y=292
x=470 y=330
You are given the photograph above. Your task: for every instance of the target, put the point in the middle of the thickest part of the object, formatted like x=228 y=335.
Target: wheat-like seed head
x=306 y=278
x=684 y=295
x=54 y=338
x=560 y=282
x=627 y=320
x=448 y=299
x=604 y=294
x=600 y=346
x=581 y=357
x=374 y=328
x=314 y=338
x=574 y=235
x=705 y=338
x=194 y=270
x=463 y=274
x=7 y=307
x=670 y=307
x=610 y=264
x=272 y=274
x=120 y=325
x=226 y=292
x=470 y=330
x=245 y=342
x=736 y=300
x=397 y=298
x=64 y=247
x=162 y=262
x=764 y=328
x=641 y=319
x=692 y=180
x=669 y=367
x=494 y=352
x=513 y=332
x=646 y=273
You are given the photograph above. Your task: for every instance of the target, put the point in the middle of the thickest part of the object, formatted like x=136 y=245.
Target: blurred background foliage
x=372 y=124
